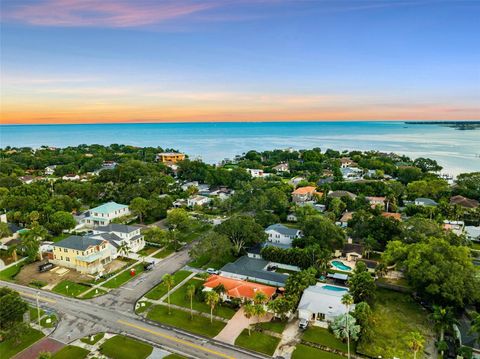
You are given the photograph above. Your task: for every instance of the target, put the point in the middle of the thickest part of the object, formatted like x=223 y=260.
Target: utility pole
x=38 y=309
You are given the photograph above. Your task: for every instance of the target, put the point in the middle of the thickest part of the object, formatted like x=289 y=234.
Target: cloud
x=104 y=13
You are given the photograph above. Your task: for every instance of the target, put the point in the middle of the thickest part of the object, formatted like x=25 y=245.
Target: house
x=303 y=194
x=396 y=216
x=118 y=234
x=456 y=227
x=50 y=170
x=27 y=179
x=322 y=303
x=254 y=269
x=179 y=203
x=376 y=201
x=170 y=157
x=340 y=194
x=426 y=202
x=109 y=165
x=197 y=201
x=296 y=180
x=104 y=214
x=352 y=251
x=292 y=217
x=278 y=233
x=351 y=173
x=325 y=180
x=472 y=233
x=84 y=254
x=343 y=222
x=282 y=167
x=464 y=202
x=346 y=162
x=236 y=288
x=256 y=173
x=71 y=177
x=222 y=193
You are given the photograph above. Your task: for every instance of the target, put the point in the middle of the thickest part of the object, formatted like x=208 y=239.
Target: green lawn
x=96 y=338
x=476 y=246
x=275 y=326
x=53 y=321
x=395 y=315
x=73 y=290
x=181 y=319
x=71 y=352
x=147 y=250
x=8 y=348
x=324 y=337
x=10 y=273
x=174 y=356
x=180 y=298
x=160 y=290
x=205 y=262
x=121 y=347
x=165 y=252
x=305 y=352
x=123 y=277
x=93 y=293
x=143 y=308
x=34 y=313
x=258 y=342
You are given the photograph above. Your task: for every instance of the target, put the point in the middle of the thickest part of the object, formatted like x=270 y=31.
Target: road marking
x=39 y=297
x=181 y=341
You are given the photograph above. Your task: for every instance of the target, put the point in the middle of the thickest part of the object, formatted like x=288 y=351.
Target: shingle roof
x=464 y=201
x=253 y=268
x=280 y=228
x=79 y=243
x=108 y=207
x=116 y=227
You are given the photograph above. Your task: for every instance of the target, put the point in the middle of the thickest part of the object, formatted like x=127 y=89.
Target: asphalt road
x=114 y=312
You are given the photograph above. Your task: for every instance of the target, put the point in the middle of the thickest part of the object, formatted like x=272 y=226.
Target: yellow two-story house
x=85 y=254
x=170 y=157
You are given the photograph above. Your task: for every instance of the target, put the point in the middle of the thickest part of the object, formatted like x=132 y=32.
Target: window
x=65 y=250
x=67 y=259
x=61 y=258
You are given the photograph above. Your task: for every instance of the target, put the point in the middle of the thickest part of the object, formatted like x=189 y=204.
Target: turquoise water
x=340 y=266
x=457 y=151
x=335 y=289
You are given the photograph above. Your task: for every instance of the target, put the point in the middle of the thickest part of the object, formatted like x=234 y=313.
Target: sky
x=89 y=61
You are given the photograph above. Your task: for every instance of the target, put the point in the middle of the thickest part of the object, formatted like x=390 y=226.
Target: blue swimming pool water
x=339 y=265
x=335 y=289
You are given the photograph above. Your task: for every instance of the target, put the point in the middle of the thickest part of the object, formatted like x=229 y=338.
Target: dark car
x=148 y=266
x=45 y=267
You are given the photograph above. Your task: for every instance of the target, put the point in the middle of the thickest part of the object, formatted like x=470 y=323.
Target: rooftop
x=305 y=190
x=324 y=298
x=79 y=243
x=255 y=269
x=280 y=228
x=116 y=227
x=239 y=288
x=108 y=207
x=464 y=202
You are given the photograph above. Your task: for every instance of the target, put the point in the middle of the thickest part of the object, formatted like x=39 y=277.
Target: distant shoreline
x=443 y=122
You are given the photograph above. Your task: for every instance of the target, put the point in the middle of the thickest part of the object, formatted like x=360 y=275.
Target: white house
x=322 y=303
x=197 y=201
x=456 y=227
x=104 y=214
x=282 y=167
x=256 y=173
x=27 y=179
x=351 y=173
x=71 y=177
x=426 y=202
x=50 y=170
x=118 y=234
x=280 y=234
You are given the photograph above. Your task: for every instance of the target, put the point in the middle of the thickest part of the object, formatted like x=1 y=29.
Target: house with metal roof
x=280 y=234
x=322 y=303
x=118 y=234
x=104 y=214
x=426 y=202
x=84 y=254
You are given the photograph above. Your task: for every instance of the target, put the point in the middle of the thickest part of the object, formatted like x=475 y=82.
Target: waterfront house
x=237 y=288
x=278 y=233
x=322 y=303
x=86 y=255
x=104 y=214
x=347 y=162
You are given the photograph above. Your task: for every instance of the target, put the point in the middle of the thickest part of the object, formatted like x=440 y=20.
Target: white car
x=303 y=324
x=212 y=271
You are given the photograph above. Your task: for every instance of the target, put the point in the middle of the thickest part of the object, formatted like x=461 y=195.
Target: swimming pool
x=334 y=288
x=340 y=266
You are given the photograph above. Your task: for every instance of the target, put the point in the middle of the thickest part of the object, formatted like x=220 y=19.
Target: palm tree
x=415 y=342
x=169 y=282
x=444 y=319
x=249 y=311
x=475 y=326
x=190 y=291
x=347 y=300
x=211 y=298
x=123 y=249
x=30 y=241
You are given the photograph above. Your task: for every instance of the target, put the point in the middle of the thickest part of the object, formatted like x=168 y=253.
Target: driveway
x=290 y=337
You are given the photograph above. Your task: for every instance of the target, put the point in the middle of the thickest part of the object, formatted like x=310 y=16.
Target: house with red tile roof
x=303 y=194
x=396 y=216
x=237 y=288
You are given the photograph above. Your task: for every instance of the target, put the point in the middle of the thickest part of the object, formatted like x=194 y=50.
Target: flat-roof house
x=84 y=254
x=117 y=234
x=253 y=269
x=322 y=303
x=104 y=214
x=303 y=194
x=426 y=202
x=257 y=173
x=197 y=201
x=236 y=288
x=170 y=157
x=278 y=233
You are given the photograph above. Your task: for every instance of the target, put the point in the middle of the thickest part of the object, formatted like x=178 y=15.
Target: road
x=114 y=312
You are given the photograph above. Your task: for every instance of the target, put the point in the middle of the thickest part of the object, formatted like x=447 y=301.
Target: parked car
x=303 y=324
x=45 y=267
x=212 y=271
x=148 y=266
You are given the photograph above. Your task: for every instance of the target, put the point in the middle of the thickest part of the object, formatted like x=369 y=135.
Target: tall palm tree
x=249 y=311
x=123 y=249
x=169 y=282
x=347 y=300
x=415 y=342
x=443 y=318
x=211 y=298
x=475 y=326
x=190 y=293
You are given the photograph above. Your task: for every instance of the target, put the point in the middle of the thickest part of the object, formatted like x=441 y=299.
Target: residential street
x=114 y=312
